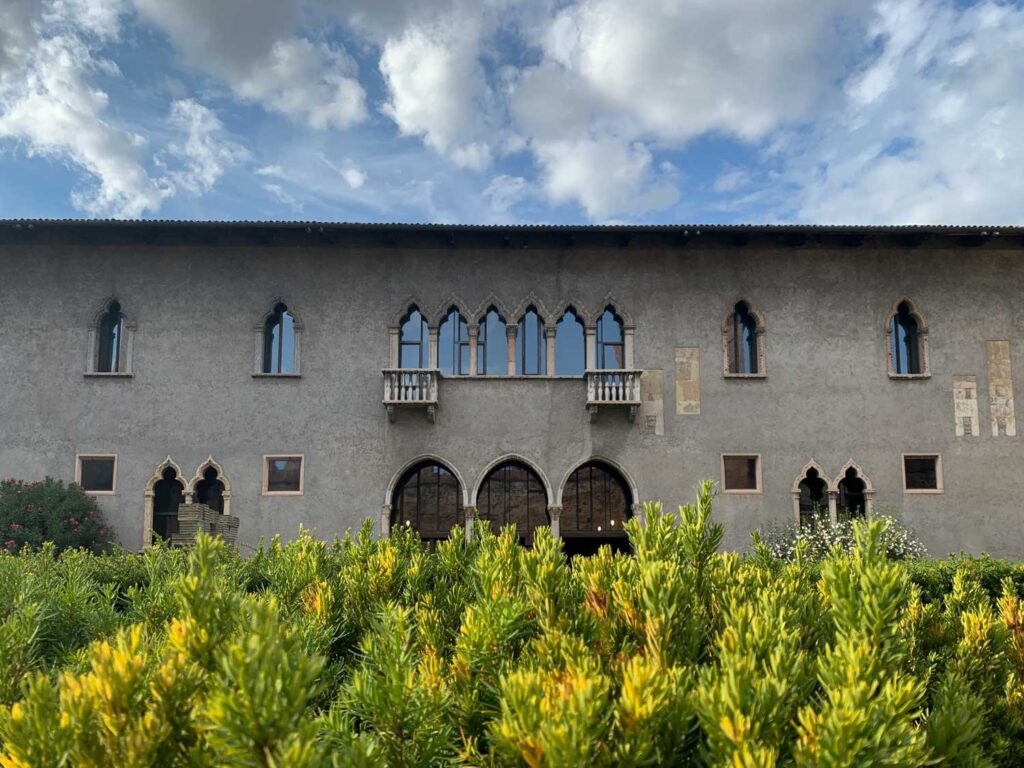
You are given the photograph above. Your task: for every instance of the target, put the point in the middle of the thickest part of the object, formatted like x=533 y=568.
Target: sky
x=514 y=111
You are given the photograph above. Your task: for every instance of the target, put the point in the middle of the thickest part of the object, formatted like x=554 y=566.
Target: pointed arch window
x=453 y=344
x=168 y=495
x=210 y=490
x=413 y=341
x=492 y=345
x=570 y=345
x=596 y=501
x=611 y=349
x=513 y=494
x=852 y=499
x=428 y=499
x=531 y=349
x=908 y=337
x=812 y=498
x=743 y=340
x=279 y=341
x=110 y=341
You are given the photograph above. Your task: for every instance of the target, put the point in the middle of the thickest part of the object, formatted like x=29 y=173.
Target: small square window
x=741 y=474
x=282 y=475
x=95 y=474
x=922 y=473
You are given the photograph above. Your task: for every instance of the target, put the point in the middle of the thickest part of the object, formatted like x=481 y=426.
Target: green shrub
x=818 y=540
x=49 y=511
x=379 y=653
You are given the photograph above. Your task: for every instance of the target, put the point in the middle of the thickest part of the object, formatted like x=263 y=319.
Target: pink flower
x=16 y=526
x=10 y=544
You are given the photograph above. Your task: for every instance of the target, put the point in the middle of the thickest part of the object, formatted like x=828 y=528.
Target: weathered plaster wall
x=826 y=396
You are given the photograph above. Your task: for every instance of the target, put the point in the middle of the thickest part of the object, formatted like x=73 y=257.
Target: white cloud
x=207 y=151
x=606 y=176
x=17 y=36
x=354 y=177
x=249 y=45
x=505 y=192
x=931 y=130
x=54 y=112
x=279 y=193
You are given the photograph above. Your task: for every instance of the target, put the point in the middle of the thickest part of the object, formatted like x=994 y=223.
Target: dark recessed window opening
x=596 y=501
x=921 y=473
x=210 y=490
x=168 y=495
x=97 y=474
x=428 y=499
x=813 y=497
x=513 y=494
x=852 y=497
x=279 y=341
x=284 y=474
x=740 y=473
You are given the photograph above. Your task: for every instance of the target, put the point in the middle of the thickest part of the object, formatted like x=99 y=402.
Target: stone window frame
x=795 y=490
x=512 y=317
x=190 y=488
x=759 y=329
x=78 y=472
x=125 y=356
x=260 y=331
x=833 y=490
x=759 y=490
x=938 y=489
x=156 y=477
x=512 y=458
x=531 y=302
x=267 y=457
x=922 y=341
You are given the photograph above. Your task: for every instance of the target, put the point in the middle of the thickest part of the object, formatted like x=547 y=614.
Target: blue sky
x=498 y=111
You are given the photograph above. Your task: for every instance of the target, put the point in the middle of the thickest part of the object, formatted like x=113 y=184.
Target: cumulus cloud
x=249 y=45
x=54 y=112
x=504 y=192
x=206 y=153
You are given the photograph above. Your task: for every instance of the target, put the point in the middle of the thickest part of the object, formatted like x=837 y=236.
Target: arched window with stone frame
x=492 y=343
x=413 y=340
x=531 y=346
x=165 y=492
x=210 y=486
x=513 y=492
x=111 y=341
x=811 y=495
x=570 y=344
x=906 y=341
x=596 y=501
x=427 y=497
x=743 y=332
x=278 y=337
x=453 y=344
x=611 y=341
x=851 y=493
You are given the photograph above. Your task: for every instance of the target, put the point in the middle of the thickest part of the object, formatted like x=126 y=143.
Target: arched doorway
x=596 y=502
x=168 y=495
x=512 y=493
x=428 y=499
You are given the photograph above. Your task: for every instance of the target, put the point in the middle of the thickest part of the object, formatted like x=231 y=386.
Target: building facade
x=423 y=375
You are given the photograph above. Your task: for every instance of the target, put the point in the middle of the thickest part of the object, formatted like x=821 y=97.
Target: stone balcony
x=613 y=388
x=410 y=388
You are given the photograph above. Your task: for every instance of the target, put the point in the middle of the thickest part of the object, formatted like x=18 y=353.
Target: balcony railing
x=410 y=387
x=613 y=388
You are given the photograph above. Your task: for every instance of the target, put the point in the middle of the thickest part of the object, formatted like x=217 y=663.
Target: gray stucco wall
x=826 y=396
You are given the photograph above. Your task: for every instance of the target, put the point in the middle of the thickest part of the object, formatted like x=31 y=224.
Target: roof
x=392 y=234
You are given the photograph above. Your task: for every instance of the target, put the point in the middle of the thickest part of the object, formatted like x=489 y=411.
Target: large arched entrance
x=512 y=493
x=596 y=502
x=428 y=499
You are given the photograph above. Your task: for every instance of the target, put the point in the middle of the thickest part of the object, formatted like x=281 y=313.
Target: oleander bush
x=49 y=511
x=823 y=536
x=380 y=653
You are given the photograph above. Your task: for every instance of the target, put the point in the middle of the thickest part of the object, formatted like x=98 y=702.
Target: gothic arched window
x=492 y=345
x=453 y=344
x=279 y=341
x=742 y=341
x=852 y=500
x=513 y=494
x=610 y=345
x=413 y=341
x=905 y=340
x=813 y=497
x=531 y=351
x=595 y=500
x=110 y=335
x=428 y=499
x=570 y=346
x=168 y=495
